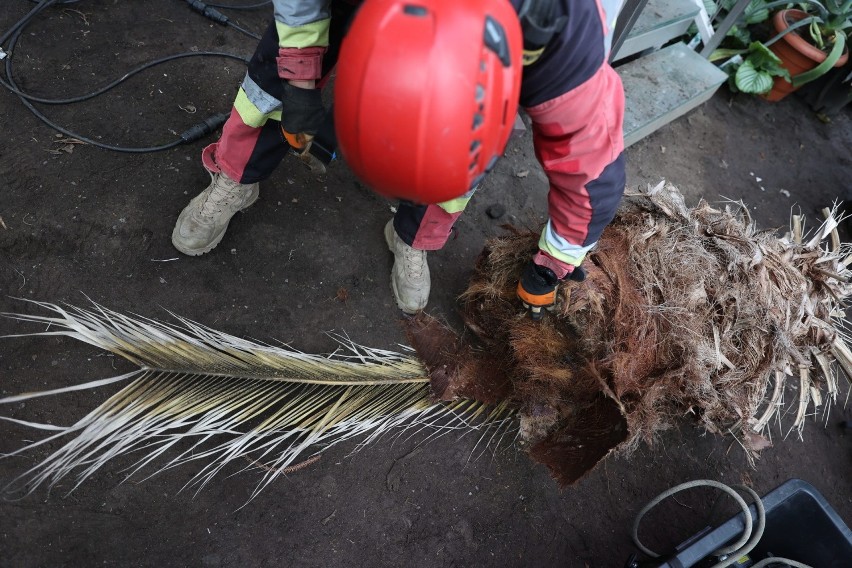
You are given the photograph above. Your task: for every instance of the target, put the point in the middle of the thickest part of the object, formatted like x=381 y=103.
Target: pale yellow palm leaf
x=207 y=397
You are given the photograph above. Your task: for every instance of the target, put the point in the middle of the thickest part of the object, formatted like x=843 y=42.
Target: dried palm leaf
x=213 y=399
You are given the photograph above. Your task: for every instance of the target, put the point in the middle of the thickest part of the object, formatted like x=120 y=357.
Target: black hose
x=207 y=126
x=211 y=13
x=25 y=20
x=243 y=30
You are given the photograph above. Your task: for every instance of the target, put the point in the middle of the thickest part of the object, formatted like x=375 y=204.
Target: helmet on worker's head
x=426 y=93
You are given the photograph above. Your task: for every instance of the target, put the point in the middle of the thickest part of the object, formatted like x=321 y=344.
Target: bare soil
x=79 y=222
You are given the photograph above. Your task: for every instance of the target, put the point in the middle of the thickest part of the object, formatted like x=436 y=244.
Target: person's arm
x=576 y=103
x=578 y=140
x=302 y=27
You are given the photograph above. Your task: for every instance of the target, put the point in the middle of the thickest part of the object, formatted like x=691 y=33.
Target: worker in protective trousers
x=425 y=96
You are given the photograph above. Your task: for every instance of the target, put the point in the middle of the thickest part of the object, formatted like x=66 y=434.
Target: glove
x=537 y=287
x=301 y=110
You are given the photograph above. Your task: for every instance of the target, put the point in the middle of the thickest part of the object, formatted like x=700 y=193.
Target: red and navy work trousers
x=577 y=136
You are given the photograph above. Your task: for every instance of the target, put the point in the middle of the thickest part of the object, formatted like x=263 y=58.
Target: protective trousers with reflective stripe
x=251 y=146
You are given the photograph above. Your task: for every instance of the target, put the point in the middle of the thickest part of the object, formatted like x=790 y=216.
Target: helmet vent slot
x=415 y=10
x=478 y=119
x=495 y=40
x=480 y=93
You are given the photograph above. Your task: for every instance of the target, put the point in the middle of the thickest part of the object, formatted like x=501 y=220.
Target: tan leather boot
x=202 y=223
x=410 y=274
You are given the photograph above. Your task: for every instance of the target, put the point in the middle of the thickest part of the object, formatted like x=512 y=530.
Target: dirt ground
x=82 y=222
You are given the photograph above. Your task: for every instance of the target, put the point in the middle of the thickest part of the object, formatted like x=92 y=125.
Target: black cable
x=211 y=13
x=207 y=126
x=102 y=90
x=247 y=7
x=244 y=31
x=67 y=132
x=25 y=20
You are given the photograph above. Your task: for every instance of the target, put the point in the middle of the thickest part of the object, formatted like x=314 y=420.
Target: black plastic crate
x=800 y=525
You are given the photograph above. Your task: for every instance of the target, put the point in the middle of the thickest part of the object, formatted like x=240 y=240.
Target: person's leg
x=414 y=230
x=249 y=150
x=251 y=145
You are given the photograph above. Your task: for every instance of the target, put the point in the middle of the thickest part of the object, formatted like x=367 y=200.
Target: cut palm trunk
x=685 y=312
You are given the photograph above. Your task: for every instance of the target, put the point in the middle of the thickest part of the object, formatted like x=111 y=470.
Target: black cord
x=192 y=134
x=19 y=25
x=211 y=13
x=67 y=132
x=247 y=7
x=102 y=90
x=244 y=31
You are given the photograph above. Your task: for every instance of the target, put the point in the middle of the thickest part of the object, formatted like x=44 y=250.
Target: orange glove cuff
x=546 y=299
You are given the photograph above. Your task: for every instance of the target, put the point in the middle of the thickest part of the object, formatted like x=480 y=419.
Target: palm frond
x=207 y=397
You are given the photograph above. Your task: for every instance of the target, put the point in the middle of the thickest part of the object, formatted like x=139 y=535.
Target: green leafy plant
x=827 y=26
x=752 y=65
x=755 y=74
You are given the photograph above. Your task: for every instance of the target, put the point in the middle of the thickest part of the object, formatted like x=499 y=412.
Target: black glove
x=537 y=287
x=301 y=110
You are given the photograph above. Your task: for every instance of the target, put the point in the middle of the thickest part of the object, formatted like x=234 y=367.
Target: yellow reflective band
x=314 y=34
x=558 y=254
x=251 y=115
x=455 y=205
x=530 y=56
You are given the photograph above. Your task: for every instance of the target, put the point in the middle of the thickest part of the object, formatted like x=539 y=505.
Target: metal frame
x=724 y=27
x=626 y=20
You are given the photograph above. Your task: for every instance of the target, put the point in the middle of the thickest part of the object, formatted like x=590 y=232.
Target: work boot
x=202 y=223
x=410 y=274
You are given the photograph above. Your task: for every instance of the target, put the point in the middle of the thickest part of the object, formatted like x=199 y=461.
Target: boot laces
x=222 y=194
x=413 y=260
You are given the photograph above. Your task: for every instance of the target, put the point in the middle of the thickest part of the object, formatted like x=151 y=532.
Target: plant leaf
x=711 y=8
x=756 y=12
x=211 y=397
x=740 y=35
x=724 y=53
x=761 y=56
x=829 y=62
x=764 y=60
x=751 y=80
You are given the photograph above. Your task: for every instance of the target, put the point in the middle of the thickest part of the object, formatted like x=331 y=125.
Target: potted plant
x=810 y=55
x=750 y=64
x=774 y=67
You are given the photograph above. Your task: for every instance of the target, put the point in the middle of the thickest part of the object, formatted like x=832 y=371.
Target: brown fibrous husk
x=684 y=312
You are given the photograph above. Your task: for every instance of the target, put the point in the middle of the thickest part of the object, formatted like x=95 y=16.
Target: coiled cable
x=728 y=555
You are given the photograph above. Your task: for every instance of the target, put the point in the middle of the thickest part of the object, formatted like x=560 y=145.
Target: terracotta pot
x=796 y=54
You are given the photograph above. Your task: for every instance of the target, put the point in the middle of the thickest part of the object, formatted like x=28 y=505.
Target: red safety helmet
x=426 y=94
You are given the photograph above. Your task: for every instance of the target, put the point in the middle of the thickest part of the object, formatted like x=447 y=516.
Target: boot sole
x=217 y=239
